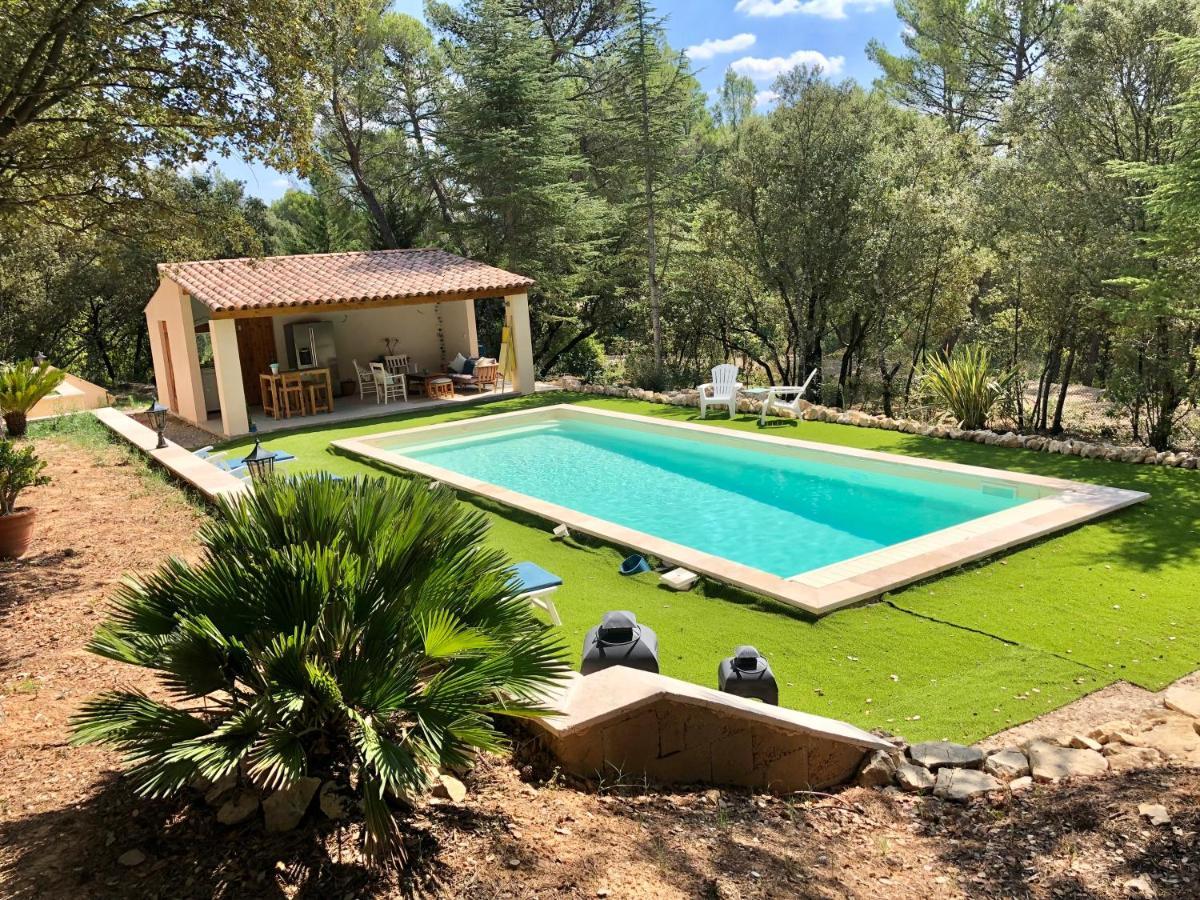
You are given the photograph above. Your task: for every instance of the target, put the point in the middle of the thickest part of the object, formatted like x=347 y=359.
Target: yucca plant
x=22 y=385
x=355 y=629
x=963 y=384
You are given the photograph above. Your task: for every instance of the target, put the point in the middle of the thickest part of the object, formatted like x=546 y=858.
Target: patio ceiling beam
x=350 y=305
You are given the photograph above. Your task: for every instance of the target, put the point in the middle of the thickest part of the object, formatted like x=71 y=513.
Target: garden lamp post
x=260 y=462
x=157 y=414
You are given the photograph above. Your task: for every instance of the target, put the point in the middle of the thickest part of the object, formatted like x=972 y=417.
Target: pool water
x=779 y=513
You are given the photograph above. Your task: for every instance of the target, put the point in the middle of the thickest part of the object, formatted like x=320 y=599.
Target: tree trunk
x=16 y=423
x=648 y=174
x=375 y=210
x=1056 y=427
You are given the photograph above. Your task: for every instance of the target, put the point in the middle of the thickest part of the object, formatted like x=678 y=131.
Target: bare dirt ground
x=66 y=818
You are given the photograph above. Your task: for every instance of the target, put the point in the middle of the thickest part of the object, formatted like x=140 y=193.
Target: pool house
x=287 y=341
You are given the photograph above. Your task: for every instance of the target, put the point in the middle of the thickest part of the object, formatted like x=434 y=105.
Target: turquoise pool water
x=781 y=514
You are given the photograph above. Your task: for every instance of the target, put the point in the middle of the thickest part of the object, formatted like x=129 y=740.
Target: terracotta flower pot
x=16 y=532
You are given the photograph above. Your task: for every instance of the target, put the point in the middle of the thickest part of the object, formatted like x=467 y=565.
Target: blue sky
x=759 y=38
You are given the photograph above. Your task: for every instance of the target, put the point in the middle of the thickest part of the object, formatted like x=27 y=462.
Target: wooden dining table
x=315 y=374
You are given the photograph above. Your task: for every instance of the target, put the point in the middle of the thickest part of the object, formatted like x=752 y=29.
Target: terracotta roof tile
x=281 y=282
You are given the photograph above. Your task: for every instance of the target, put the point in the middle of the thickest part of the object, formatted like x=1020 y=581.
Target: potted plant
x=19 y=469
x=22 y=385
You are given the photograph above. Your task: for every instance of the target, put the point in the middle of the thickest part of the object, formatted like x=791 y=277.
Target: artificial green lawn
x=960 y=656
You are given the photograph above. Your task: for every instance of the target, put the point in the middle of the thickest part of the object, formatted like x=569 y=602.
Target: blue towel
x=230 y=465
x=533 y=577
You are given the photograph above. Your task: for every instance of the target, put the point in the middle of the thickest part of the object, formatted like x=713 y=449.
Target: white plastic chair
x=366 y=382
x=388 y=387
x=772 y=401
x=722 y=390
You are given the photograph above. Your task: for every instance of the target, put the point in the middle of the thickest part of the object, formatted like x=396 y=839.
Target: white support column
x=517 y=308
x=228 y=364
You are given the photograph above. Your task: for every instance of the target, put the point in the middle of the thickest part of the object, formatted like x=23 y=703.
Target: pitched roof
x=318 y=279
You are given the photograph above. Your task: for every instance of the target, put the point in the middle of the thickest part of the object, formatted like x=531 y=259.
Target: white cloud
x=194 y=167
x=765 y=98
x=711 y=47
x=767 y=69
x=826 y=9
x=281 y=183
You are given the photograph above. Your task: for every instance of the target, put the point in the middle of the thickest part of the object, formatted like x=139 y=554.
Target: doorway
x=256 y=351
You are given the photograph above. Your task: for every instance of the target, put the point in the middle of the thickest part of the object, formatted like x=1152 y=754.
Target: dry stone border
x=955 y=772
x=815 y=413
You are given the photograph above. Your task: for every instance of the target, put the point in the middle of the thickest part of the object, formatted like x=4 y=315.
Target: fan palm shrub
x=357 y=630
x=22 y=385
x=963 y=384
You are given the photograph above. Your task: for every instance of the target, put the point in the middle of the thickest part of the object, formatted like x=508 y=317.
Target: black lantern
x=157 y=414
x=40 y=359
x=260 y=462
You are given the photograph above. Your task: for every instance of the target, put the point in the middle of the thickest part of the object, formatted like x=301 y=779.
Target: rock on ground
x=877 y=770
x=1007 y=764
x=450 y=788
x=1183 y=700
x=284 y=809
x=933 y=755
x=1155 y=812
x=914 y=779
x=131 y=858
x=1083 y=742
x=963 y=784
x=1124 y=758
x=1050 y=762
x=238 y=808
x=1174 y=736
x=333 y=801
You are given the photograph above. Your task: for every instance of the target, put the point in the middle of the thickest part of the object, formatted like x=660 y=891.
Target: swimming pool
x=788 y=518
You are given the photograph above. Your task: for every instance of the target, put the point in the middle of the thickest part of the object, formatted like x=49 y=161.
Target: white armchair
x=773 y=403
x=722 y=390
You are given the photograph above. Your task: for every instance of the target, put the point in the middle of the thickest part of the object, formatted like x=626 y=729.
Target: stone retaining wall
x=815 y=413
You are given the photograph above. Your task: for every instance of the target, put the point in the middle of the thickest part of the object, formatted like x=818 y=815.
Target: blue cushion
x=469 y=366
x=533 y=577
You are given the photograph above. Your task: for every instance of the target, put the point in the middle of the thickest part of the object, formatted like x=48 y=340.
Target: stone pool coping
x=1060 y=504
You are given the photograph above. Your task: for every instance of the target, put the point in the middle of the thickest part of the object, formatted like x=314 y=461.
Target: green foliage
x=94 y=96
x=22 y=385
x=20 y=468
x=359 y=630
x=966 y=57
x=79 y=296
x=964 y=384
x=585 y=360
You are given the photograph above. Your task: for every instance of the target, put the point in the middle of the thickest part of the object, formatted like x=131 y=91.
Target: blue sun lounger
x=536 y=585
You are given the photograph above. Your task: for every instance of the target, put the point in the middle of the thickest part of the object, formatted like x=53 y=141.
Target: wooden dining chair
x=318 y=398
x=291 y=389
x=270 y=400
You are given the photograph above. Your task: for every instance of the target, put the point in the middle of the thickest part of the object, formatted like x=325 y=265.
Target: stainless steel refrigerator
x=310 y=345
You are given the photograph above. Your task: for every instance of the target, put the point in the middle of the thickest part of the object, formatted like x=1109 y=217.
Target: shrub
x=22 y=385
x=963 y=385
x=19 y=469
x=642 y=373
x=356 y=630
x=585 y=360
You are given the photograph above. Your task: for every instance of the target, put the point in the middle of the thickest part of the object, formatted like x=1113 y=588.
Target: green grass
x=959 y=656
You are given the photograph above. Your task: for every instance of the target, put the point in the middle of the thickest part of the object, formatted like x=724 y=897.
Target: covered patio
x=228 y=336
